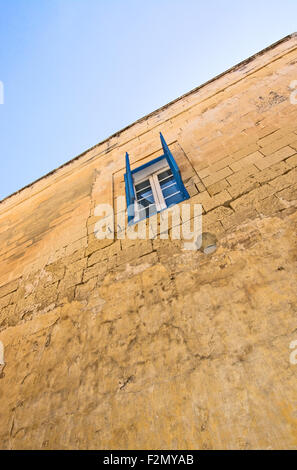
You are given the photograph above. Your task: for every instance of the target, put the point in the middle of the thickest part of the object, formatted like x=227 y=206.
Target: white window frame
x=159 y=199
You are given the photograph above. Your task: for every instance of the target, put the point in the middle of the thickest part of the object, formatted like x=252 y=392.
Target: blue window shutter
x=130 y=193
x=174 y=168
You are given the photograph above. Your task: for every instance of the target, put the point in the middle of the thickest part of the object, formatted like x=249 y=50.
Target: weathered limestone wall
x=140 y=344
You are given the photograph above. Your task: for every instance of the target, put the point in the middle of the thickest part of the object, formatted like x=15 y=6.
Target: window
x=153 y=187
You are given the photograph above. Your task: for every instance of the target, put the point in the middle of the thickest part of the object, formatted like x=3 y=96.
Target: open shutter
x=174 y=168
x=130 y=193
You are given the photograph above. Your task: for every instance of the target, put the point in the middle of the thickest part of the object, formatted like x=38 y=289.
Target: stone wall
x=123 y=344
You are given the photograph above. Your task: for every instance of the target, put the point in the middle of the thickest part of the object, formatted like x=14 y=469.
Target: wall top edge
x=153 y=113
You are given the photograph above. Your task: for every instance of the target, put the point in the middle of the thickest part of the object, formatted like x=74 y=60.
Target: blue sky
x=76 y=71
